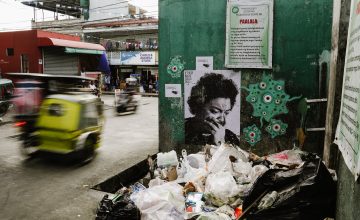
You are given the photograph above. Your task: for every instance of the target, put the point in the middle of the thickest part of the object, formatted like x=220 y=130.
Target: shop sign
x=249 y=29
x=137 y=58
x=348 y=129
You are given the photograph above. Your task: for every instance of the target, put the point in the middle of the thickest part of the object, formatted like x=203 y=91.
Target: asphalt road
x=48 y=188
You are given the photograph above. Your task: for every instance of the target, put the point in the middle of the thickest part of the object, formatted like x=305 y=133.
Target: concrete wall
x=29 y=47
x=16 y=41
x=190 y=28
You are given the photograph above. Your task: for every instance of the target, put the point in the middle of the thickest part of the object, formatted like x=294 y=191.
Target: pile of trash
x=225 y=182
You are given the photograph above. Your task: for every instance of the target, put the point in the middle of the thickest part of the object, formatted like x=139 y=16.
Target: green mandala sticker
x=175 y=67
x=252 y=134
x=268 y=98
x=276 y=128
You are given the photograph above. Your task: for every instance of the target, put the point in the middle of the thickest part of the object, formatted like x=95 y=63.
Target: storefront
x=47 y=52
x=142 y=65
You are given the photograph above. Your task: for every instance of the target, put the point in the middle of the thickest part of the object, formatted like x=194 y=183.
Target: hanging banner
x=249 y=29
x=348 y=131
x=137 y=58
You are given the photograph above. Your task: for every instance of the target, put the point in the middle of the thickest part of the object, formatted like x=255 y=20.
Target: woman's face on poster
x=216 y=111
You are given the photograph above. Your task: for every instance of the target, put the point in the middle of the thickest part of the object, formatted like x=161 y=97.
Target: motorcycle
x=125 y=101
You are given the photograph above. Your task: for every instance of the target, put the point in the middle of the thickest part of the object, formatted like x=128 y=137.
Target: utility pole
x=332 y=81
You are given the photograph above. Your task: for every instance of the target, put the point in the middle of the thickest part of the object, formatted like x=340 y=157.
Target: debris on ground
x=226 y=182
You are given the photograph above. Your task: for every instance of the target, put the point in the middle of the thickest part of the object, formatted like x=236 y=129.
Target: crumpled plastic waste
x=221 y=181
x=193 y=202
x=169 y=173
x=195 y=175
x=167 y=159
x=227 y=210
x=161 y=202
x=119 y=206
x=286 y=158
x=187 y=173
x=257 y=171
x=242 y=171
x=156 y=182
x=213 y=216
x=135 y=189
x=220 y=159
x=308 y=192
x=220 y=187
x=196 y=160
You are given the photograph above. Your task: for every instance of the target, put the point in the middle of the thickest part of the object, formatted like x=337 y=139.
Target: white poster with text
x=249 y=30
x=348 y=130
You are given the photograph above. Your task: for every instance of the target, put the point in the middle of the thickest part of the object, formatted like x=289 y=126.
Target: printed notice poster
x=347 y=132
x=172 y=90
x=249 y=28
x=212 y=107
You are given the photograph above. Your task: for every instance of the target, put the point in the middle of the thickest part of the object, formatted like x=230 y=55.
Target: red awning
x=47 y=41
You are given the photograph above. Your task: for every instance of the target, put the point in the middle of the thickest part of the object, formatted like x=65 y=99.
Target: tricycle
x=6 y=92
x=56 y=113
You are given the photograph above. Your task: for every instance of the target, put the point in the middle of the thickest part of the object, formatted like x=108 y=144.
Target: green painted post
x=190 y=28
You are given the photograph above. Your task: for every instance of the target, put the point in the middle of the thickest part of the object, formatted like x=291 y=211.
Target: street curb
x=138 y=93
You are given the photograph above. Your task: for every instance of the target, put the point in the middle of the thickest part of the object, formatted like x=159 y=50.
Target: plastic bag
x=161 y=202
x=194 y=175
x=220 y=160
x=156 y=182
x=135 y=189
x=118 y=207
x=286 y=158
x=242 y=171
x=167 y=159
x=221 y=186
x=308 y=192
x=187 y=173
x=257 y=171
x=196 y=160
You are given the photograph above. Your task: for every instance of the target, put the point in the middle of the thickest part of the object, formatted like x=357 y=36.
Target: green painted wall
x=190 y=28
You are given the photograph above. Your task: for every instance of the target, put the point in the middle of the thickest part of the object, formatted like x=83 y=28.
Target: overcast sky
x=16 y=16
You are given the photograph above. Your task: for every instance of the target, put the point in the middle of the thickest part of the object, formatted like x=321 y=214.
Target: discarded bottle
x=268 y=200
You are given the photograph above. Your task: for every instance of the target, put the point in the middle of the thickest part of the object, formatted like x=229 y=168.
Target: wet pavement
x=53 y=188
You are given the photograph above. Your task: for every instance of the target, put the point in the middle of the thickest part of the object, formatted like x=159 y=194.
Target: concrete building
x=128 y=34
x=47 y=52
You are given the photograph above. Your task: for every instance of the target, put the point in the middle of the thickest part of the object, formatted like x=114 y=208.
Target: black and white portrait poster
x=212 y=107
